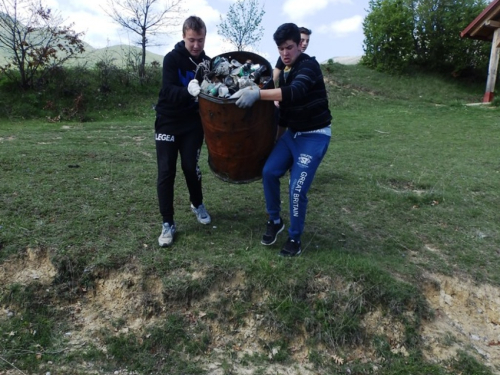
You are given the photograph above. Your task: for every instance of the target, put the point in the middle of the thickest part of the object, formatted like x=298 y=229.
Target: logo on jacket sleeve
x=304 y=160
x=185 y=77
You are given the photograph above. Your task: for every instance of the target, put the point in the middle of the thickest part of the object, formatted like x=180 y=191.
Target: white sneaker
x=201 y=214
x=167 y=235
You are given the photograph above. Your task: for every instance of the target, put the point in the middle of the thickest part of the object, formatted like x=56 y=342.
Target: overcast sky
x=336 y=25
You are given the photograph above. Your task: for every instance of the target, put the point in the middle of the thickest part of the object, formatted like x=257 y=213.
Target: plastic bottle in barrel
x=255 y=75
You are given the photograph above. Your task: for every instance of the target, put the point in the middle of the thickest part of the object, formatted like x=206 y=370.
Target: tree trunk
x=142 y=65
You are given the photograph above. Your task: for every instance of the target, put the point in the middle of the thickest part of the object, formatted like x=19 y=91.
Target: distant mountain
x=118 y=55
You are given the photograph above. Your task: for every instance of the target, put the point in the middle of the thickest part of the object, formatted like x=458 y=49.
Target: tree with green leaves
x=403 y=33
x=34 y=40
x=241 y=27
x=440 y=47
x=389 y=41
x=145 y=18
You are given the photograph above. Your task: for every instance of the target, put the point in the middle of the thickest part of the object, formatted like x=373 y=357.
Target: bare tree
x=35 y=40
x=145 y=18
x=242 y=24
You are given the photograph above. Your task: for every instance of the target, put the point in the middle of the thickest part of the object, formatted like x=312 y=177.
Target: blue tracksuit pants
x=302 y=152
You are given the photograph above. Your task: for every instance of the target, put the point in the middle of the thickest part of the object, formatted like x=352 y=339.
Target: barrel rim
x=217 y=99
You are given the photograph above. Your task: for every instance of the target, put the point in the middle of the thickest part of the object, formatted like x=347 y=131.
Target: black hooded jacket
x=176 y=108
x=304 y=104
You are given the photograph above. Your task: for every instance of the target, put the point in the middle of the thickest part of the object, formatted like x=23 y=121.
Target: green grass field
x=401 y=234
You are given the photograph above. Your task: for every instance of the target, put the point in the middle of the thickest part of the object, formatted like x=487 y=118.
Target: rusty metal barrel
x=238 y=140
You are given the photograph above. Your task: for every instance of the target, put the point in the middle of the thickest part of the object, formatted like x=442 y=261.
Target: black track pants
x=168 y=146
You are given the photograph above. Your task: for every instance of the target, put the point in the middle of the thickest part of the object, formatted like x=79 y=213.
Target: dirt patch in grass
x=124 y=301
x=35 y=265
x=467 y=316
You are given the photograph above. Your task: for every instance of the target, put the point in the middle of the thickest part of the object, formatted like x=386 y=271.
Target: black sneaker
x=291 y=248
x=272 y=231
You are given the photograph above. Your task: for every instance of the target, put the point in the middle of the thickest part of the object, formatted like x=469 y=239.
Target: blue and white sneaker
x=201 y=214
x=167 y=235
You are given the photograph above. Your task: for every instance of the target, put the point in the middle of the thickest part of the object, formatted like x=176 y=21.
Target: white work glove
x=194 y=87
x=246 y=97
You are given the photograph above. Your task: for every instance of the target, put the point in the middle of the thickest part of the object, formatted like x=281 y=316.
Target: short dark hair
x=287 y=31
x=194 y=23
x=305 y=30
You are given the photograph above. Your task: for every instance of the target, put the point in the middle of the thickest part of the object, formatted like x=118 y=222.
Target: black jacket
x=304 y=104
x=176 y=108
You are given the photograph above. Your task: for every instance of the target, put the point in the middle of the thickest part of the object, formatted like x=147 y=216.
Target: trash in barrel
x=238 y=140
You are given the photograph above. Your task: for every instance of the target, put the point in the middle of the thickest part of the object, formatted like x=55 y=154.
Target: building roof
x=485 y=24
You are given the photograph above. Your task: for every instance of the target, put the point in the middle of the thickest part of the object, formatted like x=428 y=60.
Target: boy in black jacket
x=178 y=128
x=304 y=111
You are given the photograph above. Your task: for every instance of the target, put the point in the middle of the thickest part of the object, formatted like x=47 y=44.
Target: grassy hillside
x=399 y=273
x=118 y=54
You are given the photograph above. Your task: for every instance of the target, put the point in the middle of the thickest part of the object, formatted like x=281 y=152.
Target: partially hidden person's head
x=194 y=32
x=305 y=35
x=287 y=38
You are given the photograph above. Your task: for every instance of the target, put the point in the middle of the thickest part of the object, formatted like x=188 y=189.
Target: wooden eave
x=485 y=24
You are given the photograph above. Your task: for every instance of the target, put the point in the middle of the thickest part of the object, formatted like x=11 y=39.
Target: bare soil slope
x=466 y=316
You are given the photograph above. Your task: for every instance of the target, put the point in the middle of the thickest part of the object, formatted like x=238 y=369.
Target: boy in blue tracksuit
x=305 y=36
x=304 y=112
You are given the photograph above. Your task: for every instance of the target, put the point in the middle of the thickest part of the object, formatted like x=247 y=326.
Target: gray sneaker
x=167 y=235
x=201 y=214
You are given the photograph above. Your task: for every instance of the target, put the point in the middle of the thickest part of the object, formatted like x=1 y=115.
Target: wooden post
x=493 y=67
